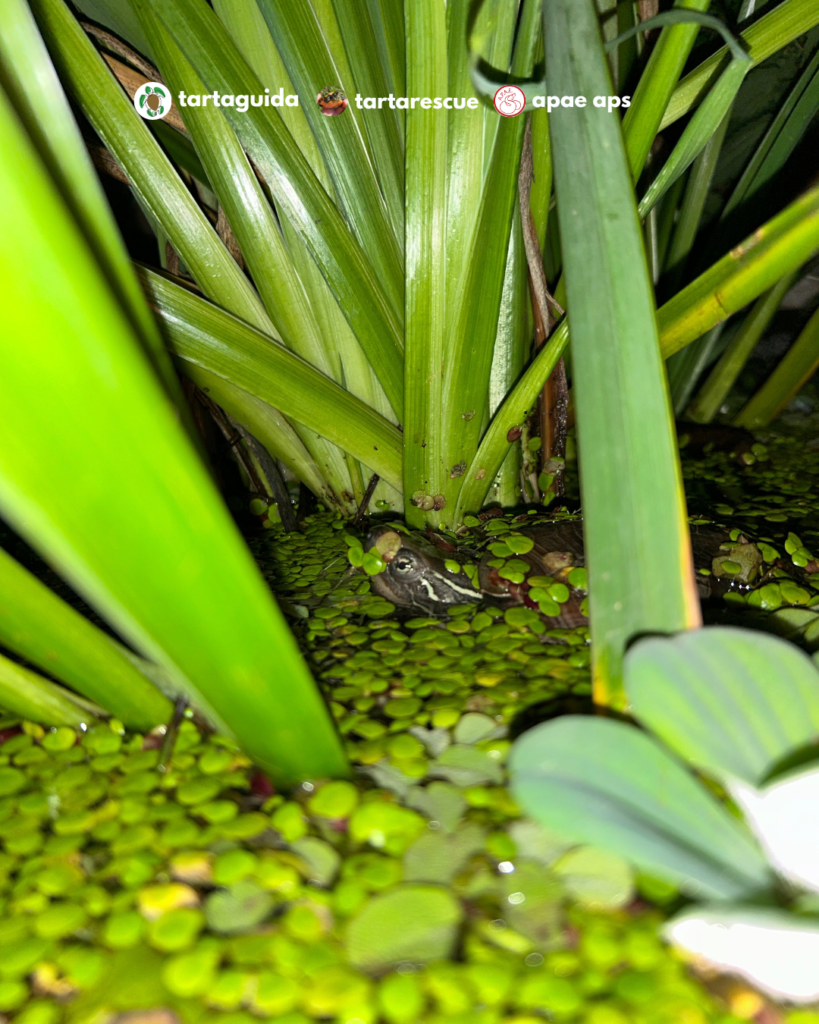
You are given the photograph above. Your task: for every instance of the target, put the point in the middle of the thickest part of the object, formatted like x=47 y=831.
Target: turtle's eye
x=403 y=564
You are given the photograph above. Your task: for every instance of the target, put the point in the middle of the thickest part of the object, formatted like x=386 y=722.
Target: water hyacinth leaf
x=37 y=699
x=773 y=31
x=165 y=566
x=409 y=923
x=297 y=192
x=200 y=334
x=792 y=373
x=40 y=626
x=729 y=701
x=605 y=783
x=630 y=475
x=773 y=950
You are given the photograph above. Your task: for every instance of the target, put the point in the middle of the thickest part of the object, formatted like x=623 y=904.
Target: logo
x=152 y=100
x=332 y=102
x=509 y=100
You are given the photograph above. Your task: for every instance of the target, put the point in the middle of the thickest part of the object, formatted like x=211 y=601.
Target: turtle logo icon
x=152 y=100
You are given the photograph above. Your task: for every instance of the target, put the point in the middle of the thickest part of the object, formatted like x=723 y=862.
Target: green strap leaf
x=723 y=376
x=784 y=135
x=701 y=128
x=37 y=95
x=793 y=372
x=203 y=335
x=29 y=695
x=164 y=564
x=159 y=188
x=427 y=264
x=257 y=231
x=731 y=702
x=774 y=30
x=657 y=83
x=680 y=16
x=38 y=625
x=598 y=781
x=300 y=40
x=780 y=246
x=296 y=191
x=630 y=477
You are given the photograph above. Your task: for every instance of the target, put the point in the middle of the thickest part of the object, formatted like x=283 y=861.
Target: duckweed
x=394 y=897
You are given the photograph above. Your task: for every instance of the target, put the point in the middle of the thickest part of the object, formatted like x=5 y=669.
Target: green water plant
x=738 y=711
x=352 y=292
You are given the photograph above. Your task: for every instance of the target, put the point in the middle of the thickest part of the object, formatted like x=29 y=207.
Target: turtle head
x=416 y=575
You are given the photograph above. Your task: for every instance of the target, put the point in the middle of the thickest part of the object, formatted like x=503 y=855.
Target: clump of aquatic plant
x=742 y=710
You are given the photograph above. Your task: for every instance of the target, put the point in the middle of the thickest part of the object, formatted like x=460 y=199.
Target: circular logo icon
x=332 y=102
x=152 y=100
x=509 y=100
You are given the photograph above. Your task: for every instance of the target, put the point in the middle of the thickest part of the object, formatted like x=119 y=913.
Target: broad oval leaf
x=606 y=783
x=730 y=701
x=777 y=952
x=783 y=815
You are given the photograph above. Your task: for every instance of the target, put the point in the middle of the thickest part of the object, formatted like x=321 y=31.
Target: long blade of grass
x=798 y=366
x=637 y=543
x=151 y=174
x=781 y=245
x=665 y=65
x=721 y=379
x=301 y=43
x=774 y=30
x=203 y=335
x=37 y=699
x=38 y=625
x=426 y=264
x=164 y=564
x=297 y=193
x=37 y=95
